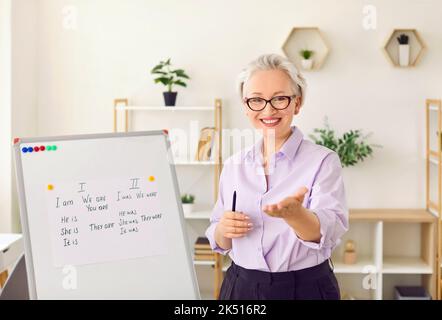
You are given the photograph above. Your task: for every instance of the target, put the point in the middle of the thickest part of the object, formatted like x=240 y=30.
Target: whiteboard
x=102 y=218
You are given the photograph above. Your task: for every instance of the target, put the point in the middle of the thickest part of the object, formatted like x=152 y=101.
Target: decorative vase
x=349 y=257
x=350 y=252
x=169 y=98
x=187 y=208
x=307 y=64
x=404 y=55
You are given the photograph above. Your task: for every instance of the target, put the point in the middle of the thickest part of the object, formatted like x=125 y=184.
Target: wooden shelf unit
x=122 y=108
x=369 y=226
x=433 y=115
x=391 y=256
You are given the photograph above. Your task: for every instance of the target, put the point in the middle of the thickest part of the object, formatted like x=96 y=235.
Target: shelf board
x=392 y=215
x=164 y=108
x=433 y=108
x=359 y=267
x=433 y=212
x=226 y=264
x=340 y=267
x=392 y=265
x=203 y=214
x=405 y=265
x=180 y=162
x=433 y=161
x=387 y=215
x=203 y=262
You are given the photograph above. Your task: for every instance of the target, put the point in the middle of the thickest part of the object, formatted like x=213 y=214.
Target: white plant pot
x=307 y=64
x=187 y=208
x=404 y=55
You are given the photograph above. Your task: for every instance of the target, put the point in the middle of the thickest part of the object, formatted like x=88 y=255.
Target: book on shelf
x=210 y=257
x=202 y=243
x=203 y=251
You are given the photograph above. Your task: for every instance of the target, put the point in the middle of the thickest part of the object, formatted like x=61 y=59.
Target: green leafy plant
x=402 y=39
x=306 y=54
x=169 y=77
x=352 y=147
x=187 y=198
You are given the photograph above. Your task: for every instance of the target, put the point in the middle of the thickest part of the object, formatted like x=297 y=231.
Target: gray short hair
x=274 y=62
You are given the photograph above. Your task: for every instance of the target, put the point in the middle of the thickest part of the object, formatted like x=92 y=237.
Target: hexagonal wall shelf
x=416 y=45
x=306 y=38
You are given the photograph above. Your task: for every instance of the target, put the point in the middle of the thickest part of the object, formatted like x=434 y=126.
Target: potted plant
x=404 y=50
x=169 y=77
x=351 y=148
x=187 y=201
x=306 y=61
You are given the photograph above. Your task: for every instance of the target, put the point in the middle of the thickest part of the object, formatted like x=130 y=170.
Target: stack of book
x=203 y=250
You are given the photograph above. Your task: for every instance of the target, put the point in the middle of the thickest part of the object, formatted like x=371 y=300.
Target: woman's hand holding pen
x=231 y=225
x=234 y=224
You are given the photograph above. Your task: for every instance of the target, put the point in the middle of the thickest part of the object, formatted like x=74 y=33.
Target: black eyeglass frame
x=290 y=98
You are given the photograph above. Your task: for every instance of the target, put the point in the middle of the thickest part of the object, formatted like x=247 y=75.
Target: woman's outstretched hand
x=303 y=221
x=287 y=207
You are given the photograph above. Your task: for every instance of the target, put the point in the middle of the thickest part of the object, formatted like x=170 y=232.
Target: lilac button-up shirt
x=272 y=245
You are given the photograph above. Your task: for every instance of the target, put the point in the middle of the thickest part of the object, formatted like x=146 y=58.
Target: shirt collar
x=288 y=149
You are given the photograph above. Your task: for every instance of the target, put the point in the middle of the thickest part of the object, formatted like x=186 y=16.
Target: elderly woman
x=290 y=201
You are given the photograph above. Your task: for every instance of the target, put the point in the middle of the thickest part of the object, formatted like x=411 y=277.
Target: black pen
x=234 y=201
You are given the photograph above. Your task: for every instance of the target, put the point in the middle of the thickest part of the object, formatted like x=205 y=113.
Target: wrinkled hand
x=234 y=224
x=287 y=207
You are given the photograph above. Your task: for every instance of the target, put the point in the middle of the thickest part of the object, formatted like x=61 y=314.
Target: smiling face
x=268 y=84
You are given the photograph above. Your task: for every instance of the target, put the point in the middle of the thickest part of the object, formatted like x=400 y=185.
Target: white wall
x=113 y=44
x=5 y=115
x=18 y=96
x=24 y=88
x=116 y=43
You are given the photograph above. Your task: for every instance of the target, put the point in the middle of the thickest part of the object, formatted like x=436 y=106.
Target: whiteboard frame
x=23 y=208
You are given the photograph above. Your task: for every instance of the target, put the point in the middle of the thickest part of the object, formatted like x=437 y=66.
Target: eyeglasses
x=278 y=102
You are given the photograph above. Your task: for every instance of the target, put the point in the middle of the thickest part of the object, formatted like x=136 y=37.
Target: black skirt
x=315 y=283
